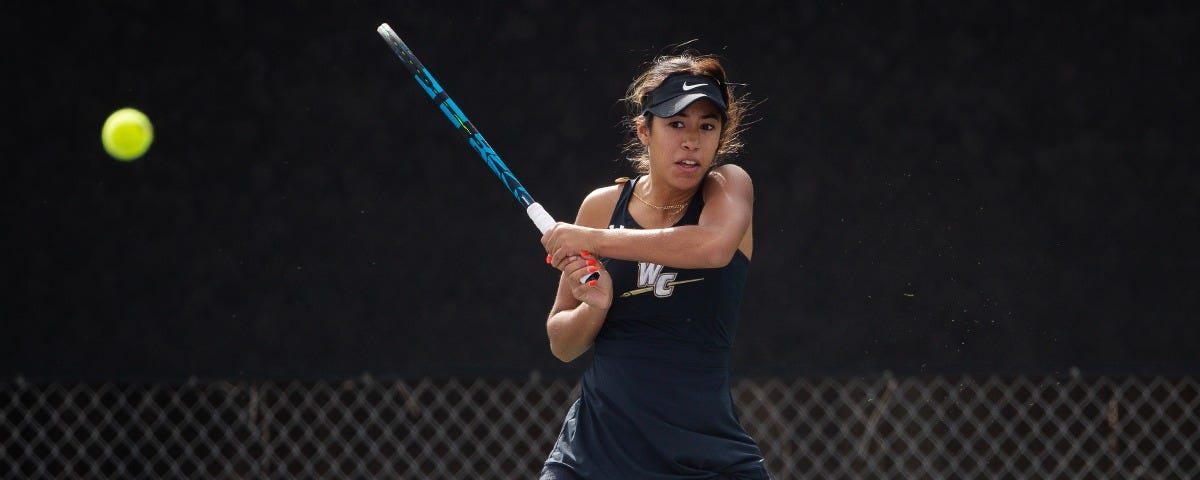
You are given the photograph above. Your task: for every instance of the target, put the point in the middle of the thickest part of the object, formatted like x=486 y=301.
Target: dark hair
x=658 y=70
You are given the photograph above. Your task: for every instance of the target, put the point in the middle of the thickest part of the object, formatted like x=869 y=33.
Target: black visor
x=679 y=91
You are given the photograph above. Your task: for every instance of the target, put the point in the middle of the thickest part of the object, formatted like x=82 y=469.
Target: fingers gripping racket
x=474 y=137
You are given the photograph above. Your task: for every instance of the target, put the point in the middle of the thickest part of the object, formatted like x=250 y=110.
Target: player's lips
x=688 y=164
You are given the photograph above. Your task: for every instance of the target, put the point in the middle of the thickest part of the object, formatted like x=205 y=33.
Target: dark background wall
x=947 y=187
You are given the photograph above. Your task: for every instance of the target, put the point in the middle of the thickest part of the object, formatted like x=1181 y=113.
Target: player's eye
x=708 y=126
x=676 y=124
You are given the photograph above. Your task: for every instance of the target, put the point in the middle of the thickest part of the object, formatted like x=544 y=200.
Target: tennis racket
x=542 y=220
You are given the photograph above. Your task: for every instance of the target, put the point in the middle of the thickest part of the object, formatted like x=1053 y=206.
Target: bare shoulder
x=597 y=207
x=607 y=193
x=730 y=179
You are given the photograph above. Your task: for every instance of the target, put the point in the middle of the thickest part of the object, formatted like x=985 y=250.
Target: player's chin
x=688 y=175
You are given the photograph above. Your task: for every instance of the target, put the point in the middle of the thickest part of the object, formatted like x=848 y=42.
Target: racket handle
x=544 y=221
x=539 y=216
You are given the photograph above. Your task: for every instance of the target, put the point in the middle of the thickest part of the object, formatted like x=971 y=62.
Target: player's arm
x=711 y=243
x=579 y=309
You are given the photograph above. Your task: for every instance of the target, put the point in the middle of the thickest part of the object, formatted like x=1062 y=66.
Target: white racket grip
x=539 y=216
x=544 y=221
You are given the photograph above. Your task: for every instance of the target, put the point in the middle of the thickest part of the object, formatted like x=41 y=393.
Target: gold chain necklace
x=675 y=209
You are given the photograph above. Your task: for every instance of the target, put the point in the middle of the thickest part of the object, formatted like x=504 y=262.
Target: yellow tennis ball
x=127 y=134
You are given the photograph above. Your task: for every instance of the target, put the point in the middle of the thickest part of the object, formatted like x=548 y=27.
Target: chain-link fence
x=883 y=427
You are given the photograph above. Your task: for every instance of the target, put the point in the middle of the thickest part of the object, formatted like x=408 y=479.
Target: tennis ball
x=127 y=134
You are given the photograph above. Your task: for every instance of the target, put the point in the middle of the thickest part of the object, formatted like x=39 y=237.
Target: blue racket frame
x=542 y=220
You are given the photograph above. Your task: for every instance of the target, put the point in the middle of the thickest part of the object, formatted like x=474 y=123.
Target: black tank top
x=655 y=402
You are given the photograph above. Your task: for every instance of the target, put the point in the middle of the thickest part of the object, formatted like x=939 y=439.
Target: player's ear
x=643 y=130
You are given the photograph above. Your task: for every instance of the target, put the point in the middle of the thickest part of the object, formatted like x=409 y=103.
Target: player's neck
x=655 y=212
x=661 y=196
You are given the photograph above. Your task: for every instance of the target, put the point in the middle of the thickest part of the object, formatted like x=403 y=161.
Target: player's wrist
x=597 y=239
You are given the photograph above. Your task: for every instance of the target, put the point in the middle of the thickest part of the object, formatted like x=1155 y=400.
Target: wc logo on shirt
x=651 y=278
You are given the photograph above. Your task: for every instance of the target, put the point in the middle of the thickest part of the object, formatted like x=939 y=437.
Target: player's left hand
x=597 y=293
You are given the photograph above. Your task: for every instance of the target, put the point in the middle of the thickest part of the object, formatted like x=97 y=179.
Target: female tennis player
x=672 y=247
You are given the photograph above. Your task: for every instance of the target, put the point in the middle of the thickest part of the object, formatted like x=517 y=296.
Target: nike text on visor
x=679 y=91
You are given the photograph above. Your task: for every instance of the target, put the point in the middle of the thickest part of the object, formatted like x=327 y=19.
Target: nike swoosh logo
x=687 y=87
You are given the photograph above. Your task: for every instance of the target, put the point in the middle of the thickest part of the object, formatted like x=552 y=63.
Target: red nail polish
x=585 y=253
x=593 y=269
x=592 y=283
x=548 y=257
x=591 y=262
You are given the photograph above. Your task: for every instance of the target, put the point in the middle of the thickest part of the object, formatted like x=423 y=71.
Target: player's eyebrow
x=702 y=117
